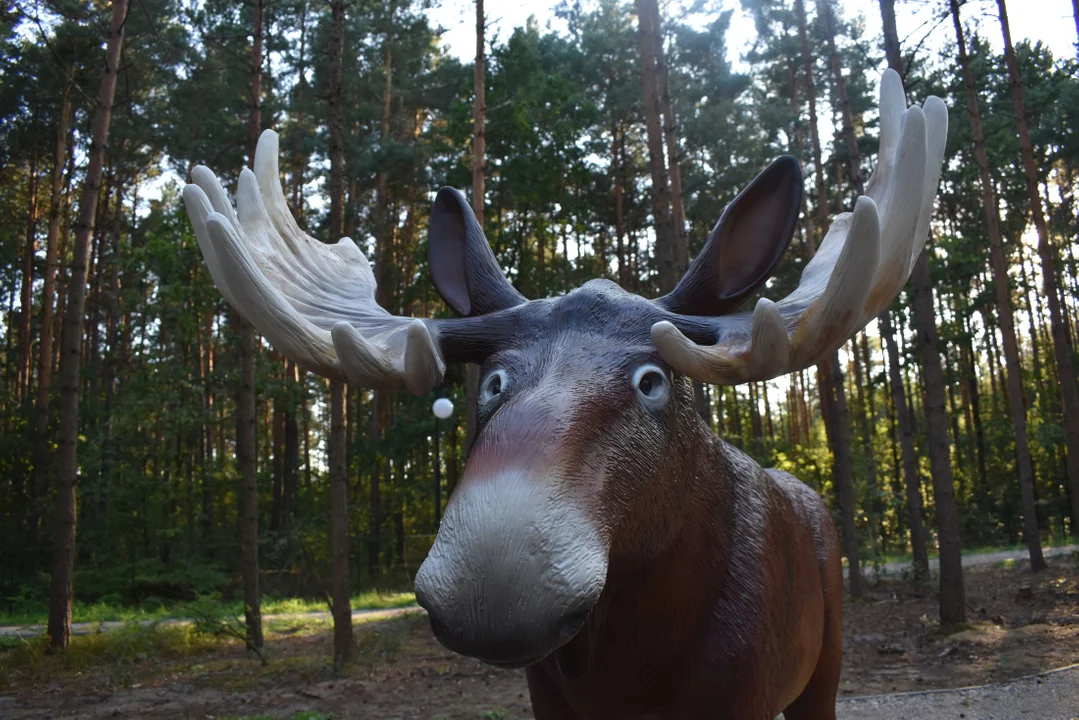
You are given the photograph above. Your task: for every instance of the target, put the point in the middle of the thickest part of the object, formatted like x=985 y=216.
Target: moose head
x=585 y=461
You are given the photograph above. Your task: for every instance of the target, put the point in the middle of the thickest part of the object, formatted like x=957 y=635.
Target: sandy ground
x=1022 y=625
x=1049 y=695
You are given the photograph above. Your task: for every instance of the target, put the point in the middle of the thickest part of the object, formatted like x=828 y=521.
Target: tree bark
x=678 y=209
x=45 y=346
x=246 y=426
x=952 y=593
x=919 y=551
x=1062 y=349
x=339 y=542
x=1075 y=14
x=811 y=95
x=26 y=299
x=63 y=561
x=833 y=395
x=660 y=191
x=837 y=422
x=479 y=145
x=1007 y=323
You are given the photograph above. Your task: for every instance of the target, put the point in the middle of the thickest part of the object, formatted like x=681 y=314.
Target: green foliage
x=122 y=654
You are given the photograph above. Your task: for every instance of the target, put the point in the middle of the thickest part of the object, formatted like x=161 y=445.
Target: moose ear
x=745 y=246
x=462 y=265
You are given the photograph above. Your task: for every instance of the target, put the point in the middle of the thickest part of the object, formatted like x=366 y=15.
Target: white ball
x=442 y=408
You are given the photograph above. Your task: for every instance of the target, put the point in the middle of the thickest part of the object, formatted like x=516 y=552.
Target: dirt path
x=975 y=559
x=898 y=663
x=1048 y=696
x=86 y=628
x=892 y=568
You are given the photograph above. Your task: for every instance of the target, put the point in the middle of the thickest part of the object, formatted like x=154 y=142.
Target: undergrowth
x=22 y=610
x=121 y=656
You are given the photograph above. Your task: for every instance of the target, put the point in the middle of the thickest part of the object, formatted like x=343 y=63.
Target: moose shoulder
x=600 y=535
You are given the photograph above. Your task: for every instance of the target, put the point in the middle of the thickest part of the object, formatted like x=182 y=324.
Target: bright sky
x=1050 y=21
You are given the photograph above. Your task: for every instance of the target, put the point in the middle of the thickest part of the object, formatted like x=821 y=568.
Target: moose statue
x=601 y=536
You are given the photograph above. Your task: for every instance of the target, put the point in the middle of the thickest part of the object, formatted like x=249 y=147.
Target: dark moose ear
x=462 y=266
x=745 y=246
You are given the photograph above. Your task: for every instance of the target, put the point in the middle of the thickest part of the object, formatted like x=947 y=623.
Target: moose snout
x=514 y=571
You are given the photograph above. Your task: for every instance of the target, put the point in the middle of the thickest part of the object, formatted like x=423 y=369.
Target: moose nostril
x=573 y=624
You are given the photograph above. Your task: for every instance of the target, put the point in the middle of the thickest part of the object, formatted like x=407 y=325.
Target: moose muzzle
x=515 y=570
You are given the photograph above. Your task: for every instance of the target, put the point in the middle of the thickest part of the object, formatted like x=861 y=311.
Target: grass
x=123 y=654
x=37 y=613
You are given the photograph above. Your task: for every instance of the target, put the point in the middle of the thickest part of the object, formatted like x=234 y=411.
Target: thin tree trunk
x=339 y=542
x=1075 y=14
x=246 y=427
x=26 y=299
x=833 y=395
x=479 y=144
x=837 y=423
x=660 y=191
x=63 y=561
x=1007 y=323
x=1062 y=350
x=45 y=346
x=919 y=551
x=678 y=209
x=619 y=205
x=952 y=593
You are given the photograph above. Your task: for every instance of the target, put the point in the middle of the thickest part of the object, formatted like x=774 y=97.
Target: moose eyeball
x=492 y=387
x=653 y=389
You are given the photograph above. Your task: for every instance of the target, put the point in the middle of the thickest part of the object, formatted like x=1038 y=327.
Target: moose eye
x=492 y=387
x=652 y=387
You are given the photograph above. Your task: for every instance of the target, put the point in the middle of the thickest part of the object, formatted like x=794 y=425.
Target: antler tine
x=314 y=302
x=863 y=262
x=838 y=311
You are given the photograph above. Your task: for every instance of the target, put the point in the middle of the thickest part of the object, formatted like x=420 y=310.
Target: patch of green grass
x=370 y=600
x=111 y=609
x=500 y=714
x=37 y=613
x=121 y=654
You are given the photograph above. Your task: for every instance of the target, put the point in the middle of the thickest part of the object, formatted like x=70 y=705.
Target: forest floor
x=1021 y=624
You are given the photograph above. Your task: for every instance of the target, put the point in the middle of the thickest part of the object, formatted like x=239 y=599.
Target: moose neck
x=675 y=582
x=677 y=586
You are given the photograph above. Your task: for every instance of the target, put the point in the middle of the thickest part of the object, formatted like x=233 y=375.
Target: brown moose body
x=700 y=633
x=601 y=536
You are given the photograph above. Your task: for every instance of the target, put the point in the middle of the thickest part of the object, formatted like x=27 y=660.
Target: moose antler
x=863 y=262
x=314 y=302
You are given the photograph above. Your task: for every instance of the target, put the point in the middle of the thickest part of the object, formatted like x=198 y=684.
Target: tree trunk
x=63 y=561
x=1075 y=14
x=952 y=594
x=619 y=206
x=678 y=209
x=833 y=395
x=26 y=299
x=479 y=144
x=1062 y=350
x=899 y=398
x=45 y=346
x=246 y=428
x=339 y=542
x=1007 y=323
x=824 y=9
x=660 y=192
x=837 y=423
